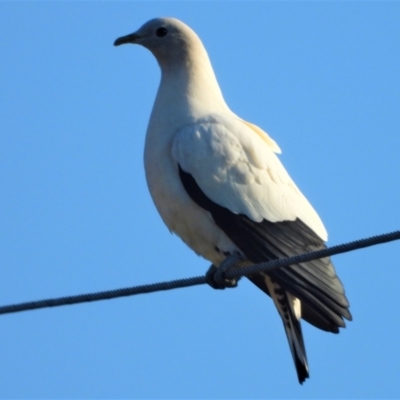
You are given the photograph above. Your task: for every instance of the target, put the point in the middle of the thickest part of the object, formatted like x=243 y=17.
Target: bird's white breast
x=179 y=212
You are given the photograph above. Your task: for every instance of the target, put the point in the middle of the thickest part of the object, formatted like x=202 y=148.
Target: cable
x=327 y=252
x=106 y=295
x=200 y=280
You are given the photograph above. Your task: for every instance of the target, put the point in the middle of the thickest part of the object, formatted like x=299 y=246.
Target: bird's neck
x=188 y=90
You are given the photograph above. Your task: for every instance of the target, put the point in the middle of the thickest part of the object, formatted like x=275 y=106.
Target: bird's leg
x=215 y=276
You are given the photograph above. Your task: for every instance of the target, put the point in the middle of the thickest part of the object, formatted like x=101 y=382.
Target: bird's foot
x=215 y=276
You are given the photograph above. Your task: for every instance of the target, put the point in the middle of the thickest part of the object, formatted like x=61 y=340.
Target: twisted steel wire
x=200 y=280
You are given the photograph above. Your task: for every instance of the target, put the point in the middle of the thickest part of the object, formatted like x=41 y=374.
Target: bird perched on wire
x=217 y=183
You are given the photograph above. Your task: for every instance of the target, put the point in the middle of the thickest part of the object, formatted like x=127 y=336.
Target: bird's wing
x=237 y=169
x=264 y=136
x=228 y=169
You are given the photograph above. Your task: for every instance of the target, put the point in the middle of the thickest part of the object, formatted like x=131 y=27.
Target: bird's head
x=167 y=38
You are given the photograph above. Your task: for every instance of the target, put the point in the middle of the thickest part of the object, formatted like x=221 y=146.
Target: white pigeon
x=217 y=183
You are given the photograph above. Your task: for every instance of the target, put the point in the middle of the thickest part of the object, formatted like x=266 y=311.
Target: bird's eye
x=161 y=32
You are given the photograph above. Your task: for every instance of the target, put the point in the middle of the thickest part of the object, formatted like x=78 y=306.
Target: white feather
x=232 y=161
x=238 y=170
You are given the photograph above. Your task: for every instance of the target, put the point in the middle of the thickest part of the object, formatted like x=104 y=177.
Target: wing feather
x=250 y=196
x=236 y=169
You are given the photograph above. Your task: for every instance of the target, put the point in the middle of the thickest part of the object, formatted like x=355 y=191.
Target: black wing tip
x=348 y=315
x=335 y=328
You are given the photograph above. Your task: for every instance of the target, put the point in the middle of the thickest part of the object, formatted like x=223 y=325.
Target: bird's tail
x=289 y=309
x=296 y=342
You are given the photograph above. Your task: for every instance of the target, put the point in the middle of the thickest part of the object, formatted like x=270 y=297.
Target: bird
x=218 y=184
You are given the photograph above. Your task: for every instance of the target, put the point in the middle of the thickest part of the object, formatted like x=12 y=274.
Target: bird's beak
x=132 y=38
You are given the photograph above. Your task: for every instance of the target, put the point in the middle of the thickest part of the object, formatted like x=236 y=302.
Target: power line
x=327 y=252
x=106 y=295
x=200 y=280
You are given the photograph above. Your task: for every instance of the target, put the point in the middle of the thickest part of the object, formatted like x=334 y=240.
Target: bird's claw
x=215 y=276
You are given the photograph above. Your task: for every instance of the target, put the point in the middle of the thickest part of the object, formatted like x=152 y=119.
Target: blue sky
x=322 y=78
